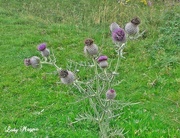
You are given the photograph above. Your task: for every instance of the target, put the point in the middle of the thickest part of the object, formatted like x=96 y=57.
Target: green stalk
x=96 y=74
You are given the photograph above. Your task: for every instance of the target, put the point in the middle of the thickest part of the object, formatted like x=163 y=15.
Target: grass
x=151 y=71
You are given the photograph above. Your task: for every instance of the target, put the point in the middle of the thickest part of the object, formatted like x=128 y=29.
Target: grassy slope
x=64 y=26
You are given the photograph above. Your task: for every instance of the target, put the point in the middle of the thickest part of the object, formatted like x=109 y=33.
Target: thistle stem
x=51 y=63
x=96 y=75
x=103 y=123
x=119 y=51
x=79 y=87
x=108 y=79
x=93 y=105
x=103 y=130
x=138 y=35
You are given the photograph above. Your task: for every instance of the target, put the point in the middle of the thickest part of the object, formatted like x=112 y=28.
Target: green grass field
x=31 y=98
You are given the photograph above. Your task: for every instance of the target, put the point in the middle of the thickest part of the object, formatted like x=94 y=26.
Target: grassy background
x=151 y=71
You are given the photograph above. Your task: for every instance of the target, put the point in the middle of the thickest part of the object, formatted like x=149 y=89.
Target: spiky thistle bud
x=118 y=35
x=67 y=77
x=110 y=94
x=102 y=60
x=114 y=26
x=33 y=61
x=132 y=28
x=90 y=48
x=45 y=52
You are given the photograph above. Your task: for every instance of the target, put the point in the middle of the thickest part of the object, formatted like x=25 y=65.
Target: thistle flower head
x=41 y=47
x=103 y=61
x=135 y=21
x=132 y=28
x=63 y=73
x=102 y=58
x=118 y=35
x=88 y=41
x=27 y=62
x=111 y=94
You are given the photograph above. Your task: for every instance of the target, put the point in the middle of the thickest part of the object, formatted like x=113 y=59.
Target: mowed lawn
x=33 y=104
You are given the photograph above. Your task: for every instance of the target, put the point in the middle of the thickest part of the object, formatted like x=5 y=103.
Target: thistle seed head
x=63 y=73
x=88 y=41
x=135 y=21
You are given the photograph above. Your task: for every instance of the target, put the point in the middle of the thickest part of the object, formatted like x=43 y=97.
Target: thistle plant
x=100 y=87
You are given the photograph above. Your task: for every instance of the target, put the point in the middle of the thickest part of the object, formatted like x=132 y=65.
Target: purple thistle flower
x=118 y=35
x=102 y=58
x=44 y=51
x=42 y=47
x=103 y=61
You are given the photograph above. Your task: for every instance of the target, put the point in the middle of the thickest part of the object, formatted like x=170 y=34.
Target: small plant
x=99 y=88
